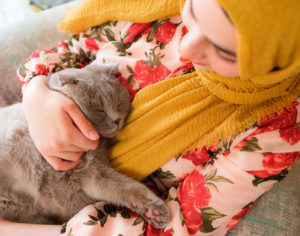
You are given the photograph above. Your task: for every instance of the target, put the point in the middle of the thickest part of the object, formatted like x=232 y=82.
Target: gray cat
x=33 y=192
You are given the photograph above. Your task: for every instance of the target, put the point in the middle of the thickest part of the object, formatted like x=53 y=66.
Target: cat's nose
x=117 y=121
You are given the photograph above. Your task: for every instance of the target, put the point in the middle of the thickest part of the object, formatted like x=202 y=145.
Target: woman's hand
x=58 y=128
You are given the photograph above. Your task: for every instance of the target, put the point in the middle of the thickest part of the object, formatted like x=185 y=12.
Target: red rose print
x=274 y=163
x=37 y=54
x=184 y=30
x=197 y=156
x=240 y=145
x=283 y=120
x=129 y=87
x=291 y=134
x=151 y=231
x=41 y=69
x=91 y=44
x=263 y=173
x=131 y=213
x=214 y=147
x=144 y=75
x=165 y=32
x=182 y=68
x=136 y=29
x=62 y=44
x=181 y=178
x=193 y=195
x=146 y=31
x=237 y=218
x=279 y=161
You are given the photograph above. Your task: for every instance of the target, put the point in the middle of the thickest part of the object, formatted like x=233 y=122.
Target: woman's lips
x=198 y=63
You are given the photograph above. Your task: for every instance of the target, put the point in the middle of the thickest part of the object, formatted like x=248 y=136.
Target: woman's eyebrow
x=227 y=51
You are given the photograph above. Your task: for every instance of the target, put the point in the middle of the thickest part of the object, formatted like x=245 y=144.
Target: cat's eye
x=120 y=107
x=100 y=110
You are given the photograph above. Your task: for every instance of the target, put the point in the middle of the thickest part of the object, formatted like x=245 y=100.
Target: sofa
x=277 y=213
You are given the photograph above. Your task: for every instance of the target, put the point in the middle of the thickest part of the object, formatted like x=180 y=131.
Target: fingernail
x=93 y=135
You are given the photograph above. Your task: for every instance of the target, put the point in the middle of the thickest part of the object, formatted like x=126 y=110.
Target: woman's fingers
x=57 y=126
x=70 y=156
x=83 y=133
x=61 y=165
x=80 y=141
x=81 y=122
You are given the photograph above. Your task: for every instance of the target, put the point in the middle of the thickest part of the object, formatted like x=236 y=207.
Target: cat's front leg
x=20 y=208
x=113 y=187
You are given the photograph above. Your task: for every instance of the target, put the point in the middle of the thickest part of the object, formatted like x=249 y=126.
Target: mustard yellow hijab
x=200 y=108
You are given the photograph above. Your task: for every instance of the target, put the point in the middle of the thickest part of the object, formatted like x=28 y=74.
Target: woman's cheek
x=225 y=71
x=224 y=68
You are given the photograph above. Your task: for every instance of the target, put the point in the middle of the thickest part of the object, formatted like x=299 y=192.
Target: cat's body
x=32 y=191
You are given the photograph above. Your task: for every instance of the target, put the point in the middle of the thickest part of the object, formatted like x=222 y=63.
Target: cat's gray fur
x=33 y=192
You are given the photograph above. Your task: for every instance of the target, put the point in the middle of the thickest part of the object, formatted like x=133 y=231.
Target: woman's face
x=211 y=42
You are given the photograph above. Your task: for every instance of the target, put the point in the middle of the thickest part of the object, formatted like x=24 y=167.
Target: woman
x=221 y=136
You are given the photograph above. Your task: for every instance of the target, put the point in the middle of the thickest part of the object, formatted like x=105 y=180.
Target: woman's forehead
x=214 y=23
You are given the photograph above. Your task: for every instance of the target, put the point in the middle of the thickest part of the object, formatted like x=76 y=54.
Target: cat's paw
x=157 y=214
x=153 y=210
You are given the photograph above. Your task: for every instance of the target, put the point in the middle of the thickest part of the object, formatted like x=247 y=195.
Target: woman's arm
x=8 y=228
x=51 y=116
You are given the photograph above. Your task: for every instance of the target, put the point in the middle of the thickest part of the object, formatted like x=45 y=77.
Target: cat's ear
x=65 y=79
x=112 y=69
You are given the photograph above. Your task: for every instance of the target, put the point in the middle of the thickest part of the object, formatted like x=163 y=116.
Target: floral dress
x=208 y=189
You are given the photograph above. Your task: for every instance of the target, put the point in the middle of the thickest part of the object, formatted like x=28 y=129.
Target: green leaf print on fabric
x=181 y=218
x=92 y=221
x=153 y=58
x=258 y=180
x=104 y=30
x=154 y=29
x=22 y=70
x=74 y=60
x=111 y=210
x=138 y=220
x=251 y=145
x=211 y=176
x=208 y=216
x=70 y=233
x=63 y=228
x=168 y=197
x=108 y=210
x=122 y=48
x=125 y=215
x=75 y=37
x=164 y=174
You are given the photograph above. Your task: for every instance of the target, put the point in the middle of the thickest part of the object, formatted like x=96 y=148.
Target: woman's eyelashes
x=225 y=57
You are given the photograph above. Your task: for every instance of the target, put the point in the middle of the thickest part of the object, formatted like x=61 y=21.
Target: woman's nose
x=192 y=46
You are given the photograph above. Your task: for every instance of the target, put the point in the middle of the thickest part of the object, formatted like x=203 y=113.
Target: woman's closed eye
x=224 y=56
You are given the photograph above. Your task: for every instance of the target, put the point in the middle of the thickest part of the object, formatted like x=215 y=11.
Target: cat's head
x=98 y=93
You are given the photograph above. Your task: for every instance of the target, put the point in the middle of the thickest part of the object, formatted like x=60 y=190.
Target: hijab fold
x=201 y=108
